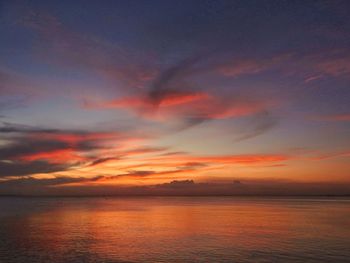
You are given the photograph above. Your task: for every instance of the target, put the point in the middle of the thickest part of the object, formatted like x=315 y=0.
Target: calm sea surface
x=174 y=229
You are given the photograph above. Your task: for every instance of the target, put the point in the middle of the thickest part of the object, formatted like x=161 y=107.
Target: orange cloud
x=182 y=98
x=130 y=170
x=226 y=159
x=243 y=159
x=58 y=156
x=138 y=102
x=186 y=105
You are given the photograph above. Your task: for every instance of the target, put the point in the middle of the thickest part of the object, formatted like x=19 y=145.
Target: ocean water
x=174 y=229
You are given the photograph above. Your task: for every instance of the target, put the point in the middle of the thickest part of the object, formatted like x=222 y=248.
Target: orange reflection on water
x=174 y=229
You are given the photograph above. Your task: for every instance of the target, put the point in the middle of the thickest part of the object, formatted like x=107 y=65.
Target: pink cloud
x=185 y=104
x=335 y=66
x=335 y=117
x=251 y=66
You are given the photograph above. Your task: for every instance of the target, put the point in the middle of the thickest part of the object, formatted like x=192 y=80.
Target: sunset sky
x=174 y=97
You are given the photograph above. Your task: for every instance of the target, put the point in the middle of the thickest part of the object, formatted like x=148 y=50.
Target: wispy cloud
x=29 y=150
x=334 y=117
x=62 y=46
x=246 y=66
x=187 y=107
x=325 y=156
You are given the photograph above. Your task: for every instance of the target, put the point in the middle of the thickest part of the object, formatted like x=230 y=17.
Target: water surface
x=174 y=229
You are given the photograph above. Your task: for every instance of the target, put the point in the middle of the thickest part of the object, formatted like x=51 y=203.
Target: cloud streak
x=59 y=45
x=335 y=117
x=29 y=150
x=66 y=187
x=172 y=105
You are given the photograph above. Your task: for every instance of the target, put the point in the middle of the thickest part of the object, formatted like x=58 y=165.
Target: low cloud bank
x=59 y=187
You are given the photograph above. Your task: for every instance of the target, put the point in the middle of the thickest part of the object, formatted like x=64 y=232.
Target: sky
x=174 y=97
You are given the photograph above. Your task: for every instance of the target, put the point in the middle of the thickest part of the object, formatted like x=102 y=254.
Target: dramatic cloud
x=29 y=150
x=191 y=108
x=168 y=93
x=18 y=168
x=26 y=148
x=157 y=101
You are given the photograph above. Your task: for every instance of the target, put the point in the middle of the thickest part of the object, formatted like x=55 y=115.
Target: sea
x=174 y=229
